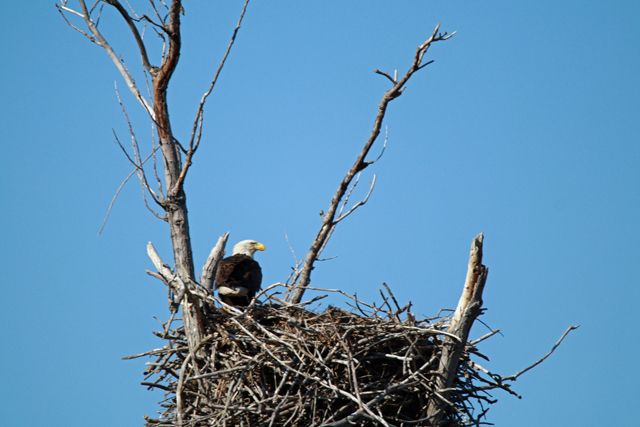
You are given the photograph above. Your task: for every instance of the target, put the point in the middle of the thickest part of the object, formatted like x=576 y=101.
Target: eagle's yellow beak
x=259 y=246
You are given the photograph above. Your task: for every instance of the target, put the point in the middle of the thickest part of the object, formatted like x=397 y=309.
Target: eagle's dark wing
x=239 y=270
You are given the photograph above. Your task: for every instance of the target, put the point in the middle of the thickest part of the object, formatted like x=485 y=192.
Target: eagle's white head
x=247 y=247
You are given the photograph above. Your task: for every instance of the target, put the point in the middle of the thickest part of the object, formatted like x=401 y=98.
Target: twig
x=484 y=337
x=382 y=73
x=136 y=161
x=117 y=193
x=361 y=202
x=196 y=131
x=543 y=358
x=198 y=123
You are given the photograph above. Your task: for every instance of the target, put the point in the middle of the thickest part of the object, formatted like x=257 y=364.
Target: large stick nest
x=284 y=365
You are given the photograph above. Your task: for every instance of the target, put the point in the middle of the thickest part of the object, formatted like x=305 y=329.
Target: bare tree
x=177 y=153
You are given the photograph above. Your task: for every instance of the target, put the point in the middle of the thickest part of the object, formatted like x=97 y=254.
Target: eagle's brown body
x=238 y=272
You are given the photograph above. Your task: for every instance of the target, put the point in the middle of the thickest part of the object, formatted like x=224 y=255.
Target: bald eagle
x=239 y=276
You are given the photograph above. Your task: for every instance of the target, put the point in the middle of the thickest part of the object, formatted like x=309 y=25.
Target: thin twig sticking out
x=166 y=27
x=119 y=189
x=136 y=161
x=136 y=35
x=196 y=131
x=198 y=122
x=329 y=221
x=186 y=290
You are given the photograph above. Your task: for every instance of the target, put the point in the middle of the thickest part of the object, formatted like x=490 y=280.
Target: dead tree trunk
x=468 y=309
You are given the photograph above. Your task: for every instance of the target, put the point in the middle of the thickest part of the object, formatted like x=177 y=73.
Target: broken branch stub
x=468 y=309
x=211 y=264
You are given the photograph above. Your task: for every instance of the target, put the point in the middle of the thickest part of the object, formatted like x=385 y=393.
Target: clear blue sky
x=526 y=128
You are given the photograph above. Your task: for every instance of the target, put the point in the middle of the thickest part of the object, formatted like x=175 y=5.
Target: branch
x=62 y=9
x=468 y=309
x=161 y=267
x=154 y=148
x=97 y=38
x=543 y=358
x=136 y=161
x=471 y=293
x=157 y=12
x=139 y=171
x=384 y=147
x=359 y=203
x=198 y=122
x=174 y=200
x=175 y=42
x=350 y=419
x=196 y=131
x=113 y=201
x=136 y=34
x=387 y=75
x=329 y=218
x=119 y=189
x=211 y=264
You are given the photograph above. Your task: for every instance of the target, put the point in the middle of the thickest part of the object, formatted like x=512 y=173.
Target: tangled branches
x=280 y=364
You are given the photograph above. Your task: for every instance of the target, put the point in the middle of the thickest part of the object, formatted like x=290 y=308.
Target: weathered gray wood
x=211 y=264
x=468 y=309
